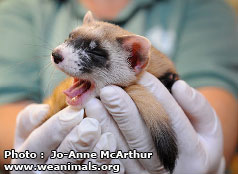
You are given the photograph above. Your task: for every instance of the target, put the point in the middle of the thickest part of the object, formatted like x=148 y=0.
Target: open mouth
x=79 y=92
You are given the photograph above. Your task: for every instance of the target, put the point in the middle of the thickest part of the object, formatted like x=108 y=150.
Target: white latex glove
x=95 y=109
x=200 y=140
x=65 y=131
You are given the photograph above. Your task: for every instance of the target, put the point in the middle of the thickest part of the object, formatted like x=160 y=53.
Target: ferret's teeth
x=74 y=99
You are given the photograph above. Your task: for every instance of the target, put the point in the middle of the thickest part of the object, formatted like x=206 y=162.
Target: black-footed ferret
x=98 y=54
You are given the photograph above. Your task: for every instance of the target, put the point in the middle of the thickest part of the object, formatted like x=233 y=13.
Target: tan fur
x=159 y=63
x=150 y=112
x=57 y=100
x=150 y=109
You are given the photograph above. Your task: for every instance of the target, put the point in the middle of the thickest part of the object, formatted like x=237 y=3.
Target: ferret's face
x=94 y=56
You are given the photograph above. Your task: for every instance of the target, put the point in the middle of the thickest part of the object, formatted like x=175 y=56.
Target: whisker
x=49 y=82
x=44 y=68
x=44 y=41
x=37 y=45
x=43 y=56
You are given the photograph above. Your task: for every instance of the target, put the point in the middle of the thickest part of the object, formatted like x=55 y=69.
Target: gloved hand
x=65 y=131
x=95 y=109
x=198 y=131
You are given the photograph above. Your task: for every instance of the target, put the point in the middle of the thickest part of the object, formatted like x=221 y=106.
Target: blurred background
x=233 y=169
x=234 y=4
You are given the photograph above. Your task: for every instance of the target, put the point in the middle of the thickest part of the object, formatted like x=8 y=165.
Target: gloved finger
x=50 y=134
x=203 y=118
x=27 y=120
x=186 y=135
x=222 y=166
x=82 y=138
x=107 y=142
x=200 y=112
x=125 y=113
x=95 y=109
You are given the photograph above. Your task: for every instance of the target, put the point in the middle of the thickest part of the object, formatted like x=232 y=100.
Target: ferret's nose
x=57 y=57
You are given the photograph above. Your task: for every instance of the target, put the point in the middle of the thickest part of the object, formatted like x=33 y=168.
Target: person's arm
x=8 y=114
x=226 y=107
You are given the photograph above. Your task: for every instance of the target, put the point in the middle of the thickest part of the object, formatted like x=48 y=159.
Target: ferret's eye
x=98 y=52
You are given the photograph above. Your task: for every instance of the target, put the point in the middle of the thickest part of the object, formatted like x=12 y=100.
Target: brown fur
x=159 y=64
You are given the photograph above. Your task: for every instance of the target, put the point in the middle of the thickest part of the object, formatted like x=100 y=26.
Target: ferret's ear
x=88 y=18
x=139 y=47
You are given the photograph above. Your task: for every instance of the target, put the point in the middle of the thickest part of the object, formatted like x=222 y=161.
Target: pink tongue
x=75 y=90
